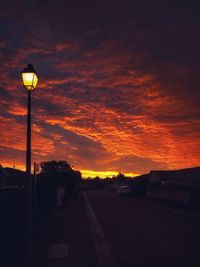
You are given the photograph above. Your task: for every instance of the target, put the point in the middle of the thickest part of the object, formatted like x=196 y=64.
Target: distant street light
x=30 y=79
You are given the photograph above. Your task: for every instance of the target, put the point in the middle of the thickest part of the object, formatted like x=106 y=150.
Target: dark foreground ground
x=12 y=232
x=138 y=233
x=143 y=234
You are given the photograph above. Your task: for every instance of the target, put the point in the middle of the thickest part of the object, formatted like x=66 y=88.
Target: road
x=141 y=234
x=105 y=230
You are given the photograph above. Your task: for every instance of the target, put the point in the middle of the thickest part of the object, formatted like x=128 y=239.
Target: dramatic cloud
x=119 y=86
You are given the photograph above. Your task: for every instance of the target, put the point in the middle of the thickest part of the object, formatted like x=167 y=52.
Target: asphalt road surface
x=142 y=234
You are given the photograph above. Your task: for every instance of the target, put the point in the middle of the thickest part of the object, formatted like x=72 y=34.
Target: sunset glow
x=106 y=174
x=109 y=97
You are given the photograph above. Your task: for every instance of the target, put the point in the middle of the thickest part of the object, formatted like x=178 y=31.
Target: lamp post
x=30 y=79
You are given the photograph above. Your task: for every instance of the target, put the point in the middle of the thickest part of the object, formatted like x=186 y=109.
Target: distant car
x=124 y=190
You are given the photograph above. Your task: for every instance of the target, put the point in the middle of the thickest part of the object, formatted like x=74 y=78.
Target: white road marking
x=104 y=254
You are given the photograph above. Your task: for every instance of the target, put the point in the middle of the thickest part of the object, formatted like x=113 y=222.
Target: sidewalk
x=69 y=237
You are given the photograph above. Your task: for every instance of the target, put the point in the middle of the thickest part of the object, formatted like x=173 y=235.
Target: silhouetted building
x=139 y=184
x=3 y=177
x=11 y=177
x=186 y=177
x=181 y=186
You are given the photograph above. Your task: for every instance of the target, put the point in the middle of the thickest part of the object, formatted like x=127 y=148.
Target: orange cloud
x=16 y=109
x=124 y=134
x=103 y=96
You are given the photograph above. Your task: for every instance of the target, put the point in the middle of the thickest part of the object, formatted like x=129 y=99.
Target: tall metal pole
x=30 y=79
x=29 y=186
x=28 y=141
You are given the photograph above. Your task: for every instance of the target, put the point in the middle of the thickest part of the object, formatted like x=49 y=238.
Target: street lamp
x=30 y=79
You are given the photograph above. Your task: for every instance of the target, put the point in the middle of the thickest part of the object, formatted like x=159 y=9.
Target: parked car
x=124 y=190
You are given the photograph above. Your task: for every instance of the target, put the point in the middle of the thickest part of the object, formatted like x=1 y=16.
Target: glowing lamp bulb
x=29 y=78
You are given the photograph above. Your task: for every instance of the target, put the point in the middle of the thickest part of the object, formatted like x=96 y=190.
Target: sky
x=119 y=84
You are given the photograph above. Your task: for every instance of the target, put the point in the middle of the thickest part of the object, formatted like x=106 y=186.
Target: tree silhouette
x=60 y=173
x=54 y=174
x=120 y=177
x=54 y=166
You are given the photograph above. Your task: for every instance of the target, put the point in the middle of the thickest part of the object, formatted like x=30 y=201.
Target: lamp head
x=29 y=77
